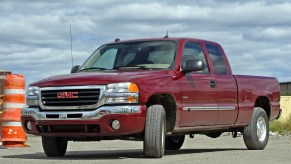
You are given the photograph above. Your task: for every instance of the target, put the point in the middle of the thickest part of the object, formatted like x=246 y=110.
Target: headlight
x=121 y=93
x=32 y=96
x=32 y=91
x=122 y=87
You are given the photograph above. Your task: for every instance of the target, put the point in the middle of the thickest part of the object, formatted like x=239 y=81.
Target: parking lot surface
x=201 y=149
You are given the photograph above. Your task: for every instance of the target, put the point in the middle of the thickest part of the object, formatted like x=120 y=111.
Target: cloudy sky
x=35 y=35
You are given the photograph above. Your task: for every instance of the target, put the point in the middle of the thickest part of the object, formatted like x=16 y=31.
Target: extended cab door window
x=217 y=59
x=193 y=51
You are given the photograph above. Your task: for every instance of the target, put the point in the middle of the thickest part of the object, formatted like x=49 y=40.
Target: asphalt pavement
x=200 y=150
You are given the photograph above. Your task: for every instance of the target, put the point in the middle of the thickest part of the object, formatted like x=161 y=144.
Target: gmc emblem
x=67 y=95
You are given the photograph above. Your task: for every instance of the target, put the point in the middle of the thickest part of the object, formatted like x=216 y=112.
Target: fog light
x=28 y=125
x=115 y=124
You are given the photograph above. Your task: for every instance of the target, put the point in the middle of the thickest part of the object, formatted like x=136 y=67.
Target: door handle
x=212 y=84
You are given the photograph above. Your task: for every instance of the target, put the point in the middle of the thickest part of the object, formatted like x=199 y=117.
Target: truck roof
x=159 y=39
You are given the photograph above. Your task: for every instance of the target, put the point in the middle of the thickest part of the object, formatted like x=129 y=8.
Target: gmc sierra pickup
x=153 y=90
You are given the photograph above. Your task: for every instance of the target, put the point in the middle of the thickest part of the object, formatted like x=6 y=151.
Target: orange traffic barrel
x=13 y=134
x=13 y=114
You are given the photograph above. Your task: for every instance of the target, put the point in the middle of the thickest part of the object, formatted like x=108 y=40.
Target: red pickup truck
x=152 y=90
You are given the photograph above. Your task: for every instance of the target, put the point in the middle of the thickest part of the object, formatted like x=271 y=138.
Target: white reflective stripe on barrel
x=14 y=105
x=11 y=124
x=13 y=91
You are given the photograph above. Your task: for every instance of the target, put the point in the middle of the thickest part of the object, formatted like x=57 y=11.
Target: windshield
x=133 y=55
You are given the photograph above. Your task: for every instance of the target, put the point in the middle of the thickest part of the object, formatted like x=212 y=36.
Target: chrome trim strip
x=73 y=87
x=116 y=94
x=85 y=115
x=101 y=100
x=209 y=108
x=200 y=108
x=226 y=108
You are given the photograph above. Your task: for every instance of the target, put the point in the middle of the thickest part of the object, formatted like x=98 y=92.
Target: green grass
x=281 y=126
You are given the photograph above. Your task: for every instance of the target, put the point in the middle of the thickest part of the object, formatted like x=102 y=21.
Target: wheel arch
x=169 y=104
x=264 y=102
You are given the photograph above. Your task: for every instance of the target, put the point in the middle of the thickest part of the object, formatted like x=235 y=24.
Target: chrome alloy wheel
x=261 y=129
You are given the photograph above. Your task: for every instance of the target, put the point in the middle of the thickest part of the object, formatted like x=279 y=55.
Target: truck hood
x=98 y=77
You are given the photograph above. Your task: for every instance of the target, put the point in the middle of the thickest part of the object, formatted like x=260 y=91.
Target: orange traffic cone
x=13 y=134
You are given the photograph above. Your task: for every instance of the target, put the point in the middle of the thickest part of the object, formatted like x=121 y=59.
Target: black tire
x=54 y=146
x=257 y=138
x=174 y=142
x=154 y=137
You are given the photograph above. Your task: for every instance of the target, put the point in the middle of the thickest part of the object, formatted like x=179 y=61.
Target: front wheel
x=256 y=134
x=54 y=146
x=154 y=137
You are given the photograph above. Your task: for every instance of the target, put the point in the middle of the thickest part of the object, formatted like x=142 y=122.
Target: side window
x=107 y=59
x=193 y=51
x=217 y=59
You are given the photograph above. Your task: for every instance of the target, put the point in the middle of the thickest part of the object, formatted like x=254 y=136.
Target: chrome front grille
x=70 y=97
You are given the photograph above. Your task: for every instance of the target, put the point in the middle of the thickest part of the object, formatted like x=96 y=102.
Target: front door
x=198 y=91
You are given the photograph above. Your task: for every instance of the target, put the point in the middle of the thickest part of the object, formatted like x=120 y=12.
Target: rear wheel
x=256 y=134
x=174 y=142
x=154 y=137
x=54 y=146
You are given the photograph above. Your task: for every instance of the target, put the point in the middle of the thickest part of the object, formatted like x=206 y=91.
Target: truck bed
x=252 y=87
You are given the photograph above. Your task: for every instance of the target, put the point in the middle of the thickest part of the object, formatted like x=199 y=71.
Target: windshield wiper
x=90 y=68
x=133 y=66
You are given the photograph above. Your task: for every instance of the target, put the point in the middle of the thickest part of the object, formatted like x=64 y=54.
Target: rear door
x=198 y=95
x=226 y=85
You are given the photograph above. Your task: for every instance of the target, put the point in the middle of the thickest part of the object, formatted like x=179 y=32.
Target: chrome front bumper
x=79 y=115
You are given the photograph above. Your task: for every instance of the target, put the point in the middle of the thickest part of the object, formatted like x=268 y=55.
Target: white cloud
x=280 y=34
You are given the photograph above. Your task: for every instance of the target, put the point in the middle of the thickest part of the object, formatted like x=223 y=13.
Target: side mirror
x=193 y=66
x=75 y=69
